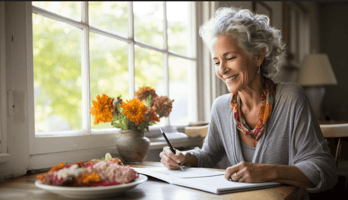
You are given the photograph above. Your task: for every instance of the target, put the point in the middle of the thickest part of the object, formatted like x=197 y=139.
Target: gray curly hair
x=252 y=32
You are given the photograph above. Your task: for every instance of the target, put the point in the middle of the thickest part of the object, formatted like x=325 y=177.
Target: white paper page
x=157 y=175
x=218 y=184
x=188 y=172
x=173 y=175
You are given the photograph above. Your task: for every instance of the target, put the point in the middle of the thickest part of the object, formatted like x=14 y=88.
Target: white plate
x=91 y=192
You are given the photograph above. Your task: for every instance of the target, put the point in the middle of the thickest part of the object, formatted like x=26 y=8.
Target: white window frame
x=3 y=97
x=4 y=156
x=48 y=149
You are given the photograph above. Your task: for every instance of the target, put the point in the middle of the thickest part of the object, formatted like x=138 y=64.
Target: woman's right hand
x=170 y=160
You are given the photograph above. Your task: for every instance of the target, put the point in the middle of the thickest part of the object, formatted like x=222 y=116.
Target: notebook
x=202 y=179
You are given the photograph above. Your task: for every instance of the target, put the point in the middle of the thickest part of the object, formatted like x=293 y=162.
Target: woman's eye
x=217 y=63
x=231 y=58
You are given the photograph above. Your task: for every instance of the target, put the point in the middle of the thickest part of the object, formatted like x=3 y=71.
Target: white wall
x=16 y=57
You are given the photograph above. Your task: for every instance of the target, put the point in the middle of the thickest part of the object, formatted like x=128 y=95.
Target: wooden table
x=153 y=189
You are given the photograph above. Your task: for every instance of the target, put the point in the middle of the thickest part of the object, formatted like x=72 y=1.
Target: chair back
x=196 y=131
x=335 y=131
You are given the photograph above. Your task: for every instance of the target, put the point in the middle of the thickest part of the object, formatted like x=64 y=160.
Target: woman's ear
x=261 y=56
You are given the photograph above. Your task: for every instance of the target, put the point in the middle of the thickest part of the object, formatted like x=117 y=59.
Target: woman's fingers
x=167 y=162
x=238 y=172
x=231 y=170
x=171 y=160
x=242 y=176
x=247 y=172
x=177 y=157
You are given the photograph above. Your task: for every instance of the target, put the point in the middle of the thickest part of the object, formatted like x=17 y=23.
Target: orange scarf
x=267 y=100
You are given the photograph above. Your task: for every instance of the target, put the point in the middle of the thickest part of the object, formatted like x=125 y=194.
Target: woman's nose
x=222 y=69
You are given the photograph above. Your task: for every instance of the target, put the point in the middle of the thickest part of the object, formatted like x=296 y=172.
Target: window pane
x=148 y=22
x=178 y=89
x=178 y=26
x=109 y=16
x=57 y=75
x=149 y=70
x=108 y=71
x=67 y=9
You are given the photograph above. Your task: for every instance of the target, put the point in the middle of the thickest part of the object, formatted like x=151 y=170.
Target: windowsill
x=157 y=142
x=45 y=161
x=177 y=143
x=4 y=157
x=180 y=127
x=154 y=132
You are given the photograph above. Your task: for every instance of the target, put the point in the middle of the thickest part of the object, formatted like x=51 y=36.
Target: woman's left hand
x=249 y=172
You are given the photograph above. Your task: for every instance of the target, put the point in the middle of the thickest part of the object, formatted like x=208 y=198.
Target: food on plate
x=103 y=172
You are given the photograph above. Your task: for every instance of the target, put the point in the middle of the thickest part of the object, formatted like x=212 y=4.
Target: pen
x=170 y=146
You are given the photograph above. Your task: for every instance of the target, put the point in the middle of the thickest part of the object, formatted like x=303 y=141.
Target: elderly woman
x=267 y=130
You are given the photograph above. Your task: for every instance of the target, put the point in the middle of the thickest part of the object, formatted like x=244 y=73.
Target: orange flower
x=57 y=167
x=92 y=178
x=134 y=110
x=163 y=106
x=41 y=177
x=152 y=116
x=114 y=160
x=102 y=109
x=144 y=92
x=87 y=179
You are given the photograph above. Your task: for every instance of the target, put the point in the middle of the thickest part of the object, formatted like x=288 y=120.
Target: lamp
x=316 y=72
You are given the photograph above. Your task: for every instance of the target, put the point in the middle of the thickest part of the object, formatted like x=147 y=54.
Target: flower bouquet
x=136 y=114
x=133 y=117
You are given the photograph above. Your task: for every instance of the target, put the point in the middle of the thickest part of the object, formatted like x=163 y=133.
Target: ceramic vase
x=132 y=146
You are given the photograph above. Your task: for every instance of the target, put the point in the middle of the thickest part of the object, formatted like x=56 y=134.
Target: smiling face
x=234 y=66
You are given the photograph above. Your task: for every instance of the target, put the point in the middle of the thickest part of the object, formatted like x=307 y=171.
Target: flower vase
x=132 y=146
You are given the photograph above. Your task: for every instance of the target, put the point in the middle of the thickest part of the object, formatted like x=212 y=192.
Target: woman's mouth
x=232 y=78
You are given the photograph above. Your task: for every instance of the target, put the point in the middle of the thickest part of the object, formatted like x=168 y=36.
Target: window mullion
x=165 y=48
x=165 y=55
x=57 y=17
x=131 y=65
x=85 y=70
x=208 y=80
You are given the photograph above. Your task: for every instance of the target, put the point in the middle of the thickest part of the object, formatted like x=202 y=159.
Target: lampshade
x=316 y=70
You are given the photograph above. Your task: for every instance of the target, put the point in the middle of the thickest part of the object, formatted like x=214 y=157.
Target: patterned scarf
x=267 y=98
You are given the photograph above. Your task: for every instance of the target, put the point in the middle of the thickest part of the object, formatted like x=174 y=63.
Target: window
x=296 y=32
x=296 y=35
x=82 y=49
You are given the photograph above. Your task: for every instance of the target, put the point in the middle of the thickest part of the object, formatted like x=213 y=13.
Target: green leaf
x=120 y=120
x=108 y=156
x=148 y=101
